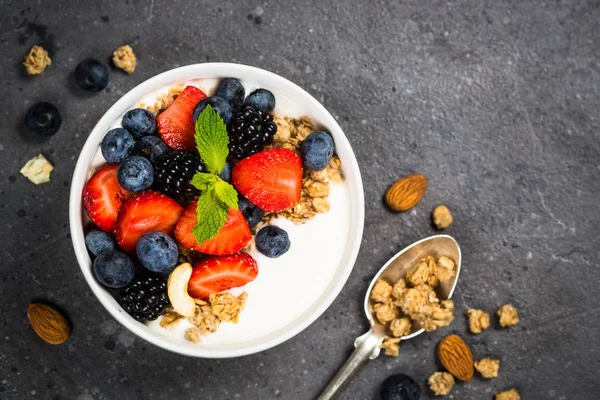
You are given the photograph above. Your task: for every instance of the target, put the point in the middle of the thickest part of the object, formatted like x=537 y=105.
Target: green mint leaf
x=212 y=214
x=212 y=140
x=203 y=181
x=226 y=193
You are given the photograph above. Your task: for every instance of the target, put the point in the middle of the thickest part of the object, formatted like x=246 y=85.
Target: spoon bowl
x=367 y=346
x=397 y=267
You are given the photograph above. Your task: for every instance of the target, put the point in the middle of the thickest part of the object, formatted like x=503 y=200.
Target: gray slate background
x=496 y=102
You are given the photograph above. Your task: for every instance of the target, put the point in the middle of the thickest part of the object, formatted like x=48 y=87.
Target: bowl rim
x=200 y=71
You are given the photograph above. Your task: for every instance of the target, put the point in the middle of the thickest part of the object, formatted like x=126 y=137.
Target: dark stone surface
x=496 y=102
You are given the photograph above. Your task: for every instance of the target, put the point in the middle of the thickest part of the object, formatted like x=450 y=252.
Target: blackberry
x=250 y=131
x=145 y=298
x=173 y=172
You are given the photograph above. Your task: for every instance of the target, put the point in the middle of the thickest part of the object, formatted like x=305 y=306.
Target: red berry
x=146 y=212
x=271 y=179
x=219 y=273
x=232 y=237
x=103 y=197
x=176 y=125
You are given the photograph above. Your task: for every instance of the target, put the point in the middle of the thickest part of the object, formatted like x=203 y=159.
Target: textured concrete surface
x=496 y=102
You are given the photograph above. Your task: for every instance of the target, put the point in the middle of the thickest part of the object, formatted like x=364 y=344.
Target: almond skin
x=406 y=192
x=456 y=357
x=48 y=323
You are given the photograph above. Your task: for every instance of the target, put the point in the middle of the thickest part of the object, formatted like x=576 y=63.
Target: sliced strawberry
x=176 y=125
x=232 y=237
x=219 y=273
x=103 y=197
x=146 y=212
x=271 y=179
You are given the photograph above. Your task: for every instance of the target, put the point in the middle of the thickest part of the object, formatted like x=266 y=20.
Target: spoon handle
x=366 y=347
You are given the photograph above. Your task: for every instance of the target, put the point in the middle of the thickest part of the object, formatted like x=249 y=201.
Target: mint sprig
x=226 y=193
x=212 y=140
x=216 y=195
x=212 y=214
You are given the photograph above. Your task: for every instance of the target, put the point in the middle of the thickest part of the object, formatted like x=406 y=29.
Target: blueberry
x=113 y=269
x=116 y=145
x=399 y=387
x=261 y=99
x=135 y=174
x=157 y=252
x=226 y=173
x=140 y=122
x=43 y=119
x=99 y=241
x=316 y=151
x=91 y=75
x=272 y=241
x=232 y=91
x=251 y=212
x=150 y=147
x=218 y=104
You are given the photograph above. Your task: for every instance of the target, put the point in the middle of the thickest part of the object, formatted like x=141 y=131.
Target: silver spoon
x=367 y=345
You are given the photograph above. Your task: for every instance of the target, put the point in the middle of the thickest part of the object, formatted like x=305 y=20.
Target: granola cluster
x=37 y=60
x=37 y=170
x=487 y=367
x=164 y=100
x=221 y=307
x=124 y=58
x=508 y=315
x=479 y=320
x=441 y=383
x=413 y=300
x=511 y=394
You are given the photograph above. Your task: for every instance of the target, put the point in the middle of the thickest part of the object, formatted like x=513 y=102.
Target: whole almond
x=456 y=357
x=48 y=323
x=406 y=192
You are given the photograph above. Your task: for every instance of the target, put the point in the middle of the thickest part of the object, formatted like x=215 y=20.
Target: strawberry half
x=103 y=197
x=232 y=237
x=176 y=125
x=219 y=273
x=271 y=179
x=146 y=212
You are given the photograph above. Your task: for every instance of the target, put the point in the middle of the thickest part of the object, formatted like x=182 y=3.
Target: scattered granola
x=442 y=217
x=381 y=291
x=37 y=60
x=444 y=269
x=192 y=334
x=478 y=320
x=391 y=346
x=511 y=394
x=170 y=319
x=208 y=316
x=441 y=383
x=321 y=205
x=385 y=312
x=420 y=272
x=413 y=299
x=400 y=327
x=226 y=306
x=398 y=291
x=37 y=170
x=204 y=319
x=487 y=367
x=508 y=315
x=316 y=189
x=124 y=58
x=164 y=100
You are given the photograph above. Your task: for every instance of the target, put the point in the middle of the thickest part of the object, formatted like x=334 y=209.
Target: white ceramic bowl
x=291 y=98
